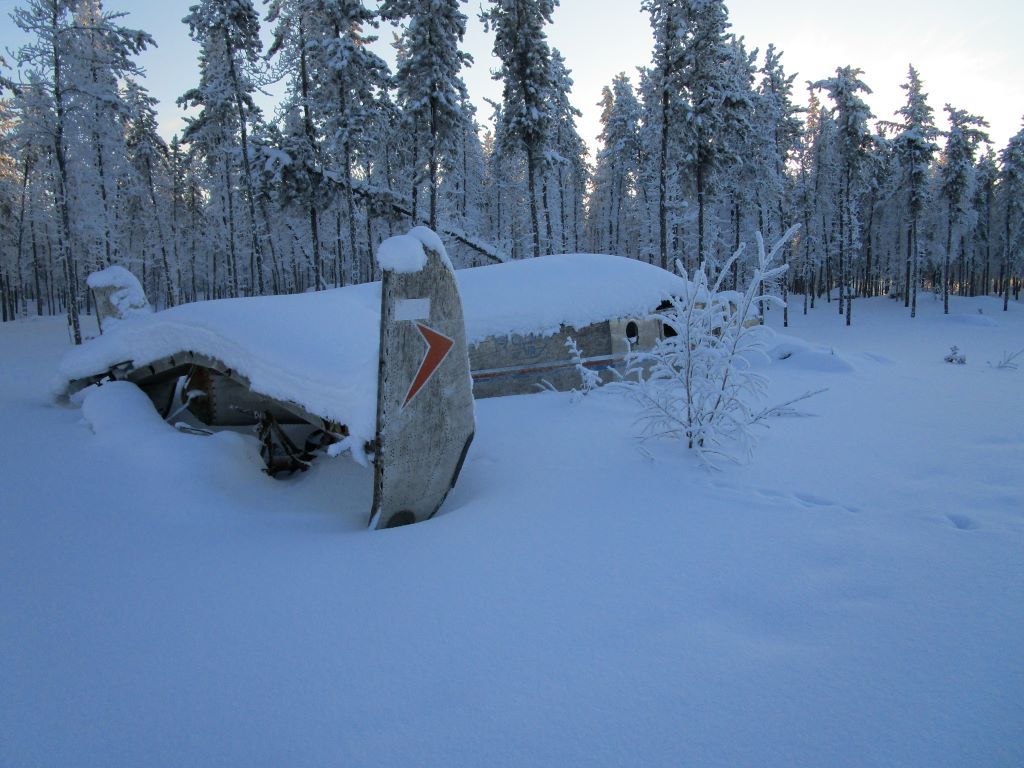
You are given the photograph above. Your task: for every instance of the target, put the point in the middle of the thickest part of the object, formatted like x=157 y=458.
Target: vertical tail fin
x=425 y=418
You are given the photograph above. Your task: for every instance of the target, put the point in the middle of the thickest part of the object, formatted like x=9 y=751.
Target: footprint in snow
x=807 y=500
x=810 y=501
x=878 y=358
x=963 y=522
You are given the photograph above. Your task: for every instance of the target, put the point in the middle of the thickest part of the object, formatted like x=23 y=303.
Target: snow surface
x=852 y=597
x=319 y=350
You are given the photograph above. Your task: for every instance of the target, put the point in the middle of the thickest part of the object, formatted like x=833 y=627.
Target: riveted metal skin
x=425 y=418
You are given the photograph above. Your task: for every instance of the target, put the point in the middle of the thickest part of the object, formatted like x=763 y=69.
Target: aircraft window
x=632 y=333
x=667 y=331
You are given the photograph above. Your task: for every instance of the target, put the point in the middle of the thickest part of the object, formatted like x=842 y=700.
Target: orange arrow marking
x=438 y=347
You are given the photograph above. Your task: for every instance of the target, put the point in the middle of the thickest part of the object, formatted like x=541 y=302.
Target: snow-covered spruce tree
x=148 y=154
x=1011 y=183
x=853 y=141
x=25 y=155
x=50 y=24
x=802 y=276
x=177 y=169
x=718 y=105
x=698 y=385
x=878 y=170
x=956 y=174
x=228 y=34
x=567 y=157
x=430 y=87
x=461 y=188
x=617 y=171
x=297 y=177
x=350 y=84
x=734 y=174
x=777 y=123
x=521 y=45
x=915 y=147
x=297 y=184
x=599 y=220
x=665 y=107
x=508 y=209
x=986 y=174
x=101 y=56
x=193 y=221
x=818 y=185
x=12 y=280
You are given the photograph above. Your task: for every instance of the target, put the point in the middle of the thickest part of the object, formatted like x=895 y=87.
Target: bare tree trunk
x=531 y=172
x=307 y=128
x=107 y=247
x=21 y=222
x=945 y=264
x=700 y=211
x=913 y=270
x=250 y=195
x=910 y=251
x=547 y=212
x=35 y=268
x=61 y=191
x=170 y=293
x=1006 y=266
x=432 y=163
x=561 y=210
x=663 y=179
x=230 y=209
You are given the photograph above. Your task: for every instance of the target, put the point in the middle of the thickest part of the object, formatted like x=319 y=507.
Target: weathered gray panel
x=519 y=365
x=421 y=442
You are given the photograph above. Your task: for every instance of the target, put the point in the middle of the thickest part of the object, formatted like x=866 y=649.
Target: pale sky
x=969 y=54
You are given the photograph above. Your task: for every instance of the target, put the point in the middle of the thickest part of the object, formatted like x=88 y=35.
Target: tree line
x=706 y=148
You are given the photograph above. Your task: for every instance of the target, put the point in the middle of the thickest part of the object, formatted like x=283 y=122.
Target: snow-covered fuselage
x=316 y=358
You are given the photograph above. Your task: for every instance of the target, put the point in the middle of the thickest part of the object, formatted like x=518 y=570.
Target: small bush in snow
x=955 y=356
x=589 y=379
x=698 y=385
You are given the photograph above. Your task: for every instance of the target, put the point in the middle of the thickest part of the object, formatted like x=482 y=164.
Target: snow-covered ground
x=852 y=597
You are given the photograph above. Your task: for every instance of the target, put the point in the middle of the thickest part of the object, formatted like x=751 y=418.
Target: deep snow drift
x=852 y=597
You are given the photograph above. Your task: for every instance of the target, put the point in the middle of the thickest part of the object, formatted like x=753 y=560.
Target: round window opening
x=632 y=333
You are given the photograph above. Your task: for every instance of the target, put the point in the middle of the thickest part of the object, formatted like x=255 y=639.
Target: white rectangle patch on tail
x=412 y=309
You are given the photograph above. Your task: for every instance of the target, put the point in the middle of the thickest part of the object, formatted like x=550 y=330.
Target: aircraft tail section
x=425 y=417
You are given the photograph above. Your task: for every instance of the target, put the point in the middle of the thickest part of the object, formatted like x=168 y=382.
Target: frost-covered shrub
x=955 y=356
x=698 y=385
x=589 y=378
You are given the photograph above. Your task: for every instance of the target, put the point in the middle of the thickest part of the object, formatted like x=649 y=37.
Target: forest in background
x=702 y=148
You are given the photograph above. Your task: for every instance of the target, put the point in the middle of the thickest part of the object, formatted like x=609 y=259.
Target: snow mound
x=125 y=291
x=797 y=353
x=404 y=253
x=430 y=239
x=537 y=296
x=401 y=253
x=977 y=320
x=121 y=411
